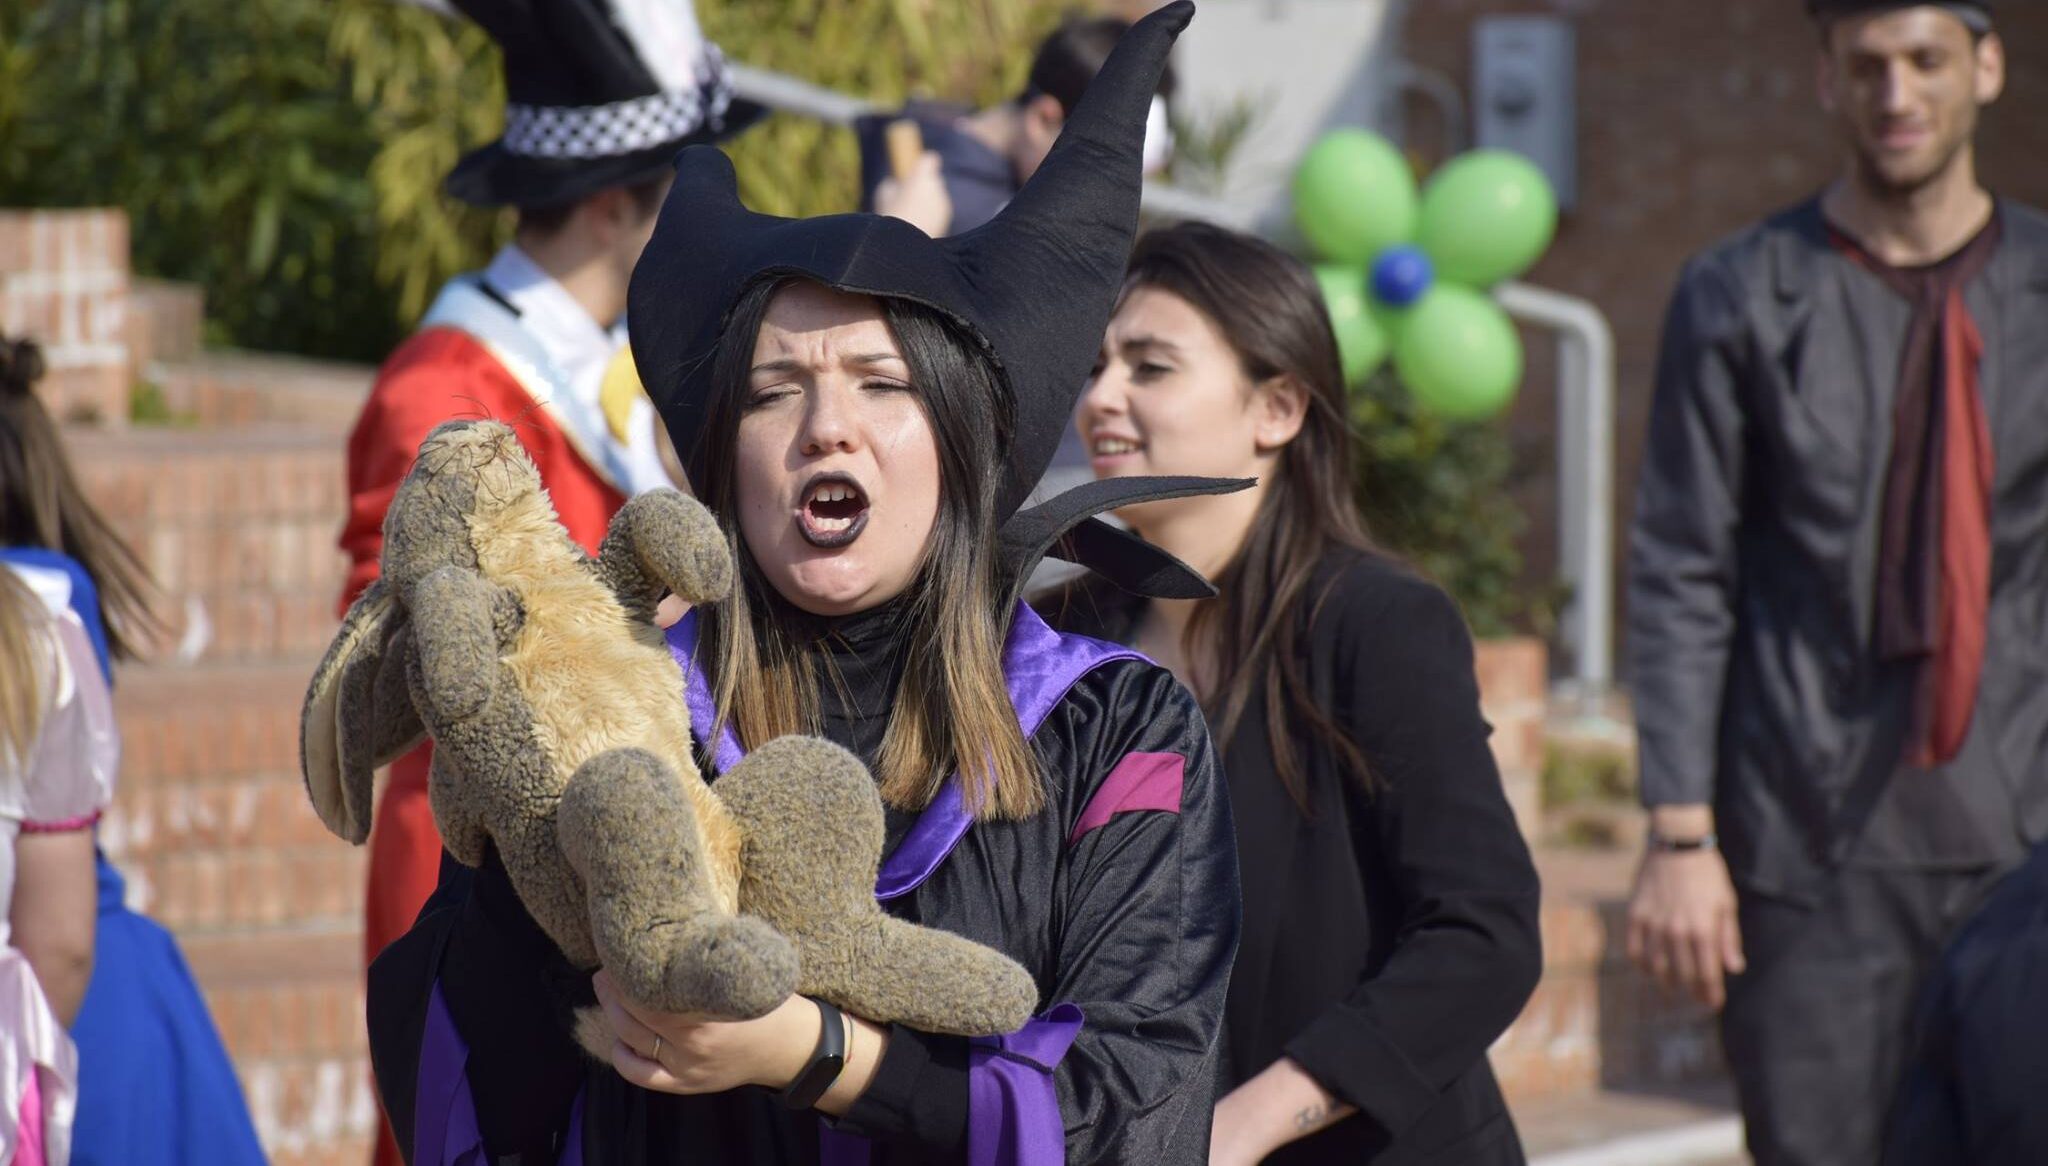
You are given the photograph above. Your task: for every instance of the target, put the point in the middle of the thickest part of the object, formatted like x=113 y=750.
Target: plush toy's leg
x=665 y=541
x=463 y=622
x=813 y=826
x=630 y=833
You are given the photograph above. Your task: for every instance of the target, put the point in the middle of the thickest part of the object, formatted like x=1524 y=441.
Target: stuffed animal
x=561 y=736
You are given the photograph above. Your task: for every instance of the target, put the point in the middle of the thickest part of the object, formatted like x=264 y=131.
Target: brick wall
x=1695 y=119
x=64 y=281
x=235 y=511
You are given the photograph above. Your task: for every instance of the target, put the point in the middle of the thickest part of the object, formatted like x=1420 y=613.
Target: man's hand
x=1682 y=925
x=918 y=198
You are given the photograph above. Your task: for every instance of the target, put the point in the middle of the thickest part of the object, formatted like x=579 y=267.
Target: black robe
x=1134 y=920
x=1390 y=932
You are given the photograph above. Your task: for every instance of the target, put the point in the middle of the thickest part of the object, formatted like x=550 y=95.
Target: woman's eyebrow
x=1142 y=343
x=876 y=358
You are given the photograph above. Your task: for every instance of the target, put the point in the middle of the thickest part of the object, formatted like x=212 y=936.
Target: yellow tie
x=618 y=391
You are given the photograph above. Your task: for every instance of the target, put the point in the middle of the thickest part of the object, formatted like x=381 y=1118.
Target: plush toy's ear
x=357 y=714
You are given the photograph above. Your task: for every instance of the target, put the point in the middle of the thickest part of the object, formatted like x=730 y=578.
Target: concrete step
x=1694 y=1126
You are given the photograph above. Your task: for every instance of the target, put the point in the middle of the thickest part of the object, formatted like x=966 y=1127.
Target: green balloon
x=1486 y=216
x=1354 y=196
x=1361 y=343
x=1458 y=354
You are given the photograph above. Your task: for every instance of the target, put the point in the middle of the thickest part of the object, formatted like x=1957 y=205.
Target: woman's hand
x=919 y=197
x=1276 y=1107
x=672 y=1053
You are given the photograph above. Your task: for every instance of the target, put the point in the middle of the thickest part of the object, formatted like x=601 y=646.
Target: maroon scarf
x=1934 y=549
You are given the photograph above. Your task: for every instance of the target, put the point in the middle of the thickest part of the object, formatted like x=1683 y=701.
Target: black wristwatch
x=827 y=1060
x=1663 y=845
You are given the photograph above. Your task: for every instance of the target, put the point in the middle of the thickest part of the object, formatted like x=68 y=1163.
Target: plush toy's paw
x=665 y=541
x=630 y=833
x=458 y=619
x=813 y=825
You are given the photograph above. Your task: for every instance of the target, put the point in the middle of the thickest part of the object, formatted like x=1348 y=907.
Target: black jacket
x=1390 y=934
x=1752 y=559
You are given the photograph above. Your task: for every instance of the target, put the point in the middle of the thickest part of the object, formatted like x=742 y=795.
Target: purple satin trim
x=1013 y=1110
x=444 y=1125
x=444 y=1129
x=839 y=1148
x=682 y=644
x=1040 y=667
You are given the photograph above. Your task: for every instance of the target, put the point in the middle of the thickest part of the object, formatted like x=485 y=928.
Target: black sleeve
x=1682 y=546
x=511 y=996
x=1150 y=904
x=1151 y=929
x=1468 y=951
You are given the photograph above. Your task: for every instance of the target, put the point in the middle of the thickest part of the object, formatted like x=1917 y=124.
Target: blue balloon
x=1401 y=275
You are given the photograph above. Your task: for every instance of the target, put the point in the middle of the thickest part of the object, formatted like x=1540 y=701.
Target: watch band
x=1707 y=841
x=827 y=1060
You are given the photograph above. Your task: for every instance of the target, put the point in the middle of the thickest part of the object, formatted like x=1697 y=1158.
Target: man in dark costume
x=1837 y=584
x=1120 y=895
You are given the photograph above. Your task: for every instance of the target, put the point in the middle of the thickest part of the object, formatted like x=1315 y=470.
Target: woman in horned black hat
x=864 y=409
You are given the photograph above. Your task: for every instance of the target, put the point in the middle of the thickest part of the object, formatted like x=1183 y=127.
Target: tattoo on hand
x=1311 y=1119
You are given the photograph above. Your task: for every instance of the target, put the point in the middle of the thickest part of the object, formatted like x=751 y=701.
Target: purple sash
x=1013 y=1109
x=444 y=1126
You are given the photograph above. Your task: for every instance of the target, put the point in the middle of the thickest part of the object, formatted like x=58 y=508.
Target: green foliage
x=1436 y=493
x=288 y=154
x=222 y=129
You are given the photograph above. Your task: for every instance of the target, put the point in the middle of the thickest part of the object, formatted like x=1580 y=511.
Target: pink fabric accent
x=30 y=1132
x=62 y=825
x=1141 y=781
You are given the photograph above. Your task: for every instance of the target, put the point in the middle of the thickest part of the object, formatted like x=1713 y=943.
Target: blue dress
x=155 y=1086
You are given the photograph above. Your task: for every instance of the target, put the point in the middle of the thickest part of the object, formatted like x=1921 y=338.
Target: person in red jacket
x=600 y=97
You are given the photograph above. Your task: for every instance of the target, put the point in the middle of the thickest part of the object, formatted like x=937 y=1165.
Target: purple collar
x=1040 y=667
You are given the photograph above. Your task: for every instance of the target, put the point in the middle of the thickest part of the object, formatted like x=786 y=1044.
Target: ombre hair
x=952 y=708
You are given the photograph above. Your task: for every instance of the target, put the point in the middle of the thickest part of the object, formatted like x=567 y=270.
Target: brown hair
x=1268 y=307
x=42 y=505
x=952 y=707
x=22 y=665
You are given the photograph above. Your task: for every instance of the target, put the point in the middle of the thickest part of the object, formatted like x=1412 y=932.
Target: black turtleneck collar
x=859 y=663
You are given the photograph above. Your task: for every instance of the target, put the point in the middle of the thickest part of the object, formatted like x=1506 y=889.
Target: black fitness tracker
x=1663 y=845
x=827 y=1060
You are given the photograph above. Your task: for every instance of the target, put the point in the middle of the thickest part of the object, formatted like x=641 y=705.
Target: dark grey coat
x=1753 y=553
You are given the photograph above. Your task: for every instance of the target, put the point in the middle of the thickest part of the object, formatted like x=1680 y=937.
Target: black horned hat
x=1035 y=287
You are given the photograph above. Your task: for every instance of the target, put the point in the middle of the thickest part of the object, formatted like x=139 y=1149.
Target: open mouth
x=834 y=511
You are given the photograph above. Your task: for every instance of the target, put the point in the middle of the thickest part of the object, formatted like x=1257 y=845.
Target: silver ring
x=655 y=1056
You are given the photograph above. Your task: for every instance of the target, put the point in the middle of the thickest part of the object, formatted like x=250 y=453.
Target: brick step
x=289 y=1005
x=216 y=389
x=237 y=526
x=210 y=722
x=1594 y=1021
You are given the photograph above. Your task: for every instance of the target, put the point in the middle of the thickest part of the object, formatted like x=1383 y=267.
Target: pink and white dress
x=64 y=782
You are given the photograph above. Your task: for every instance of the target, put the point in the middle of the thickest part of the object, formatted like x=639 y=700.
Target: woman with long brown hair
x=1390 y=905
x=863 y=410
x=155 y=1086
